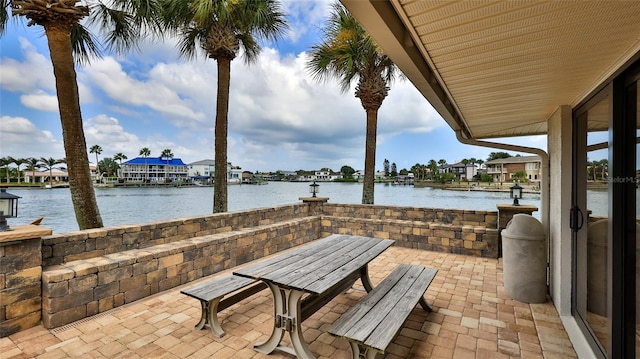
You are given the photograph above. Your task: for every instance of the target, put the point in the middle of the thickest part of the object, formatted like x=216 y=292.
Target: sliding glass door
x=604 y=217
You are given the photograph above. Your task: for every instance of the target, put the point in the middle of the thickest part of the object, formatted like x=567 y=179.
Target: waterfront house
x=562 y=69
x=154 y=170
x=460 y=170
x=204 y=170
x=57 y=175
x=503 y=169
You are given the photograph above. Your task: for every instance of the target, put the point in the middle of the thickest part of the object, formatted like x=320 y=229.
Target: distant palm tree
x=6 y=161
x=19 y=162
x=97 y=150
x=224 y=30
x=69 y=42
x=119 y=157
x=33 y=164
x=48 y=164
x=168 y=156
x=145 y=152
x=349 y=54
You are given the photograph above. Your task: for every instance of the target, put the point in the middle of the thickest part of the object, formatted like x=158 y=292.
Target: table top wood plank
x=259 y=269
x=319 y=264
x=317 y=284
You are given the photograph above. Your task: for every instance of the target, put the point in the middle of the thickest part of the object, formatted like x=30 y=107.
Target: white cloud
x=108 y=75
x=40 y=101
x=32 y=73
x=20 y=138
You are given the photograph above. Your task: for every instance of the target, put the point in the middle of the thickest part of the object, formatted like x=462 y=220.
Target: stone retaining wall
x=71 y=246
x=82 y=288
x=469 y=240
x=487 y=219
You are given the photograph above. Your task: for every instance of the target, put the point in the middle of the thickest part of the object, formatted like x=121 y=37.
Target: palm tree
x=145 y=152
x=33 y=164
x=119 y=157
x=70 y=42
x=97 y=150
x=167 y=155
x=349 y=54
x=222 y=29
x=6 y=161
x=19 y=162
x=48 y=164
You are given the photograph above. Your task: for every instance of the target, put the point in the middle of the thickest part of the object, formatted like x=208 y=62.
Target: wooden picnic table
x=306 y=278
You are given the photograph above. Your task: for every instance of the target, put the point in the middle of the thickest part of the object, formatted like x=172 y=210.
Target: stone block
x=170 y=260
x=135 y=238
x=67 y=248
x=189 y=228
x=53 y=305
x=24 y=277
x=15 y=325
x=114 y=275
x=118 y=300
x=145 y=267
x=168 y=283
x=92 y=308
x=137 y=293
x=12 y=295
x=128 y=284
x=66 y=316
x=84 y=255
x=83 y=284
x=106 y=290
x=105 y=304
x=55 y=289
x=23 y=307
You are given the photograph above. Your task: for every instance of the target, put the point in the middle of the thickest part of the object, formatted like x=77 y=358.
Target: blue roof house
x=154 y=169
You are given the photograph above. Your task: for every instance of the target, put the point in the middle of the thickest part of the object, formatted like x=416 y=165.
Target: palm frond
x=84 y=44
x=121 y=32
x=4 y=15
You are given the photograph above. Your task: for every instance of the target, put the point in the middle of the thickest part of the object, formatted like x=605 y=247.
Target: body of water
x=145 y=204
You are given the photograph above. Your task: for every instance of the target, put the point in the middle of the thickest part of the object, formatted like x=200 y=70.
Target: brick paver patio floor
x=472 y=318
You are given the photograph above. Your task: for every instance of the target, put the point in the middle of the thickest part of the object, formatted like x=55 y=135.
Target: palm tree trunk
x=370 y=157
x=82 y=195
x=221 y=130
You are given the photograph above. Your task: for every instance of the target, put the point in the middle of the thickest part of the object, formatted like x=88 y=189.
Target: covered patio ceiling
x=501 y=68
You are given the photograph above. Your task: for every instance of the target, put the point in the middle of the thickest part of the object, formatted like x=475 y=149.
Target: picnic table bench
x=304 y=279
x=372 y=324
x=211 y=292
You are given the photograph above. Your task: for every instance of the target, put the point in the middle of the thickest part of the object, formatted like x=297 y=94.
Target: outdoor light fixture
x=313 y=188
x=516 y=193
x=8 y=208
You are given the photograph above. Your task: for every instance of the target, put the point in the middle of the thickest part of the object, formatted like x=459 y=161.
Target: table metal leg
x=277 y=332
x=288 y=317
x=364 y=278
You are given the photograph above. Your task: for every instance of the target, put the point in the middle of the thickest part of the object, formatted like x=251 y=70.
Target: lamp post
x=515 y=193
x=313 y=189
x=8 y=208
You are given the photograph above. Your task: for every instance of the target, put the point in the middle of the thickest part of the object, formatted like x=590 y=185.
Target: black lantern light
x=8 y=208
x=516 y=193
x=313 y=188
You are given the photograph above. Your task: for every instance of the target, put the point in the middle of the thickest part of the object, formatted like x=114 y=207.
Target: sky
x=280 y=118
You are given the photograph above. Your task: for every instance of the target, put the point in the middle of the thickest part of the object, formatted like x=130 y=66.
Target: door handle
x=576 y=219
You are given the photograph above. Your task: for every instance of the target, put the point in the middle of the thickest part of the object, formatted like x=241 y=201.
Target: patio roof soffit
x=501 y=69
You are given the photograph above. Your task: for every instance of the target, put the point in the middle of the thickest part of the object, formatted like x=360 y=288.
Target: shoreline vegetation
x=455 y=186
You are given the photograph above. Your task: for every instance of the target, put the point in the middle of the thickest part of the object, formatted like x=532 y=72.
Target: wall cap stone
x=20 y=233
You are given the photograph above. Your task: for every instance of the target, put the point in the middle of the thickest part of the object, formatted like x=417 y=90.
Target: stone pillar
x=315 y=204
x=20 y=278
x=505 y=214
